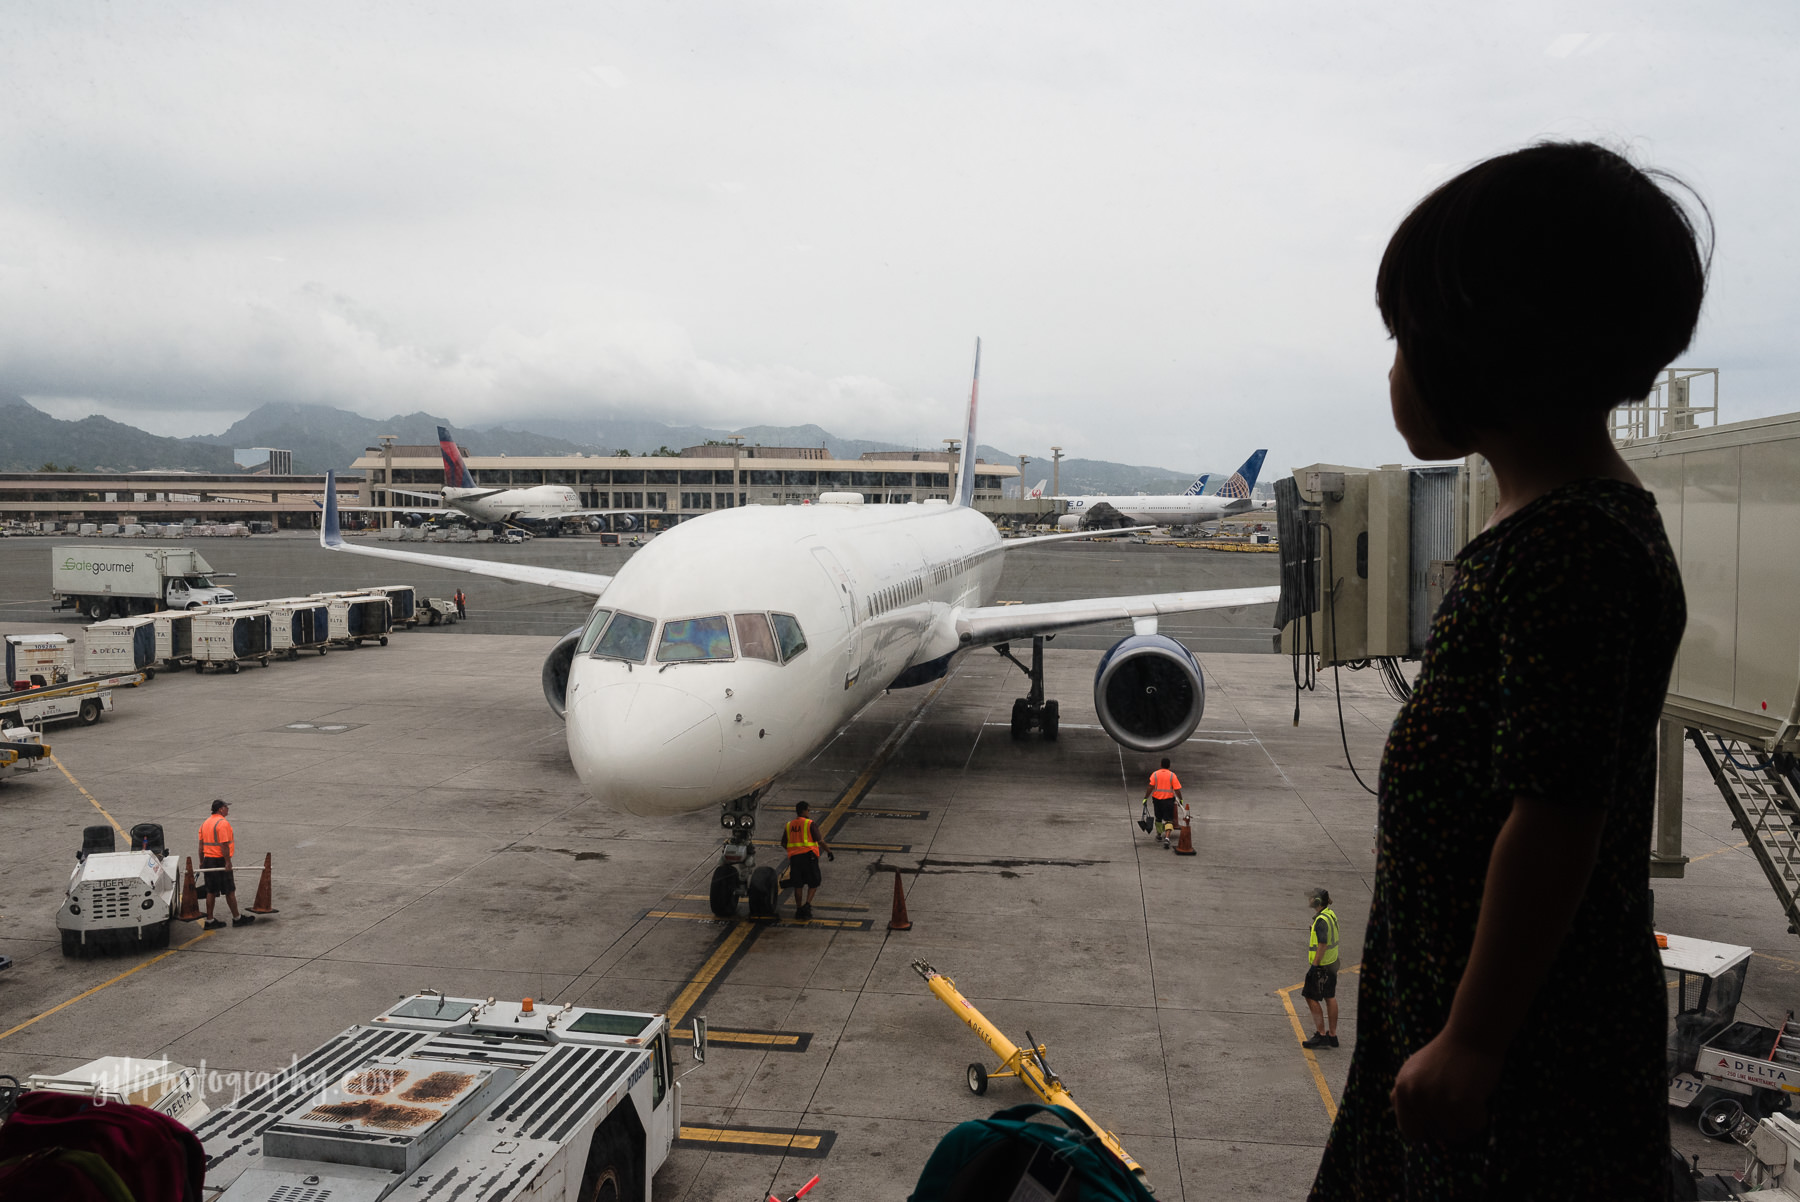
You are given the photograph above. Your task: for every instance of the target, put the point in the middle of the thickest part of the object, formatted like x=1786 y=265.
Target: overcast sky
x=1164 y=221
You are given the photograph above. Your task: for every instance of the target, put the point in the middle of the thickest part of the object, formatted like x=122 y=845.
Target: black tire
x=193 y=605
x=977 y=1080
x=611 y=1174
x=159 y=936
x=764 y=889
x=90 y=711
x=149 y=673
x=435 y=618
x=96 y=610
x=1052 y=720
x=1719 y=1116
x=1021 y=720
x=321 y=651
x=71 y=942
x=723 y=894
x=382 y=640
x=236 y=667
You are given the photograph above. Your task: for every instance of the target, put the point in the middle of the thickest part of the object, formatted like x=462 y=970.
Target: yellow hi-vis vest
x=1328 y=955
x=798 y=838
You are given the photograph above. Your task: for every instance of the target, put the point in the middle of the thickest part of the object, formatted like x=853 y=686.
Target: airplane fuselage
x=540 y=502
x=1164 y=510
x=873 y=589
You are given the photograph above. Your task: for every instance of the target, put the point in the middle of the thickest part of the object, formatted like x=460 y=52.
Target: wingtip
x=329 y=534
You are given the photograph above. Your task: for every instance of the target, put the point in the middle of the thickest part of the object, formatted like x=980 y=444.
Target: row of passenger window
x=955 y=567
x=895 y=595
x=768 y=636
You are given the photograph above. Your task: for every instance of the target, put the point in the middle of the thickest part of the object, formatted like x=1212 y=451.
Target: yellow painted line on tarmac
x=855 y=924
x=104 y=984
x=1719 y=852
x=758 y=1038
x=837 y=846
x=1312 y=1061
x=714 y=965
x=816 y=903
x=829 y=823
x=51 y=756
x=763 y=1139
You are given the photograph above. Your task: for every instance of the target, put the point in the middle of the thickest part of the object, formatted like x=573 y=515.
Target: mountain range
x=322 y=437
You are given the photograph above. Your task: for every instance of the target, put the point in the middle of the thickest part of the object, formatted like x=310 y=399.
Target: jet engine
x=556 y=670
x=1148 y=692
x=1069 y=521
x=596 y=523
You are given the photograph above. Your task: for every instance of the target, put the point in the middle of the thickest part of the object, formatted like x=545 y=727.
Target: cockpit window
x=754 y=639
x=788 y=635
x=626 y=638
x=594 y=627
x=695 y=638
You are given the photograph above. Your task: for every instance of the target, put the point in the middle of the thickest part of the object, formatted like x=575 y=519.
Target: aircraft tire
x=1021 y=719
x=723 y=895
x=1052 y=721
x=764 y=888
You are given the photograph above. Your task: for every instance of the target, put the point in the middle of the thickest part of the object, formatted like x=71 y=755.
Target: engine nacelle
x=1069 y=521
x=556 y=670
x=1149 y=692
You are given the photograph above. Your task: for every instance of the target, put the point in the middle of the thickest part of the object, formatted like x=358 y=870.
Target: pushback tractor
x=118 y=900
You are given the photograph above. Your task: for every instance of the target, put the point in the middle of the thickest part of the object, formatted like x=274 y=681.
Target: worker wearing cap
x=1320 y=990
x=801 y=840
x=1165 y=791
x=462 y=603
x=218 y=843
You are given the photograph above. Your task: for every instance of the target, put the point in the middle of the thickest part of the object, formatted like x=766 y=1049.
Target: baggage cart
x=174 y=638
x=229 y=639
x=358 y=617
x=300 y=624
x=120 y=645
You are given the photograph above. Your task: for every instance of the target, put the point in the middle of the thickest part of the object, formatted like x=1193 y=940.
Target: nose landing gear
x=1032 y=710
x=737 y=871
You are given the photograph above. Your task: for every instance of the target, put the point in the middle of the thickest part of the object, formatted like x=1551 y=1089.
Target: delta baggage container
x=120 y=645
x=38 y=659
x=300 y=624
x=358 y=617
x=229 y=639
x=174 y=637
x=402 y=603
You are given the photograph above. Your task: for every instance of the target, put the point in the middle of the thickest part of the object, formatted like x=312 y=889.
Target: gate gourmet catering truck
x=111 y=582
x=447 y=1097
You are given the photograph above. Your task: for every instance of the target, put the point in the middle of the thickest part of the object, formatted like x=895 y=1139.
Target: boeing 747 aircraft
x=1180 y=509
x=732 y=647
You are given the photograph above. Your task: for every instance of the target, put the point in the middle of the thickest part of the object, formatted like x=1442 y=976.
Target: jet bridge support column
x=1666 y=859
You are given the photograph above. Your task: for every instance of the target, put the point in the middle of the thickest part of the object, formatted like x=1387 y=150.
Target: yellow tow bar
x=1027 y=1063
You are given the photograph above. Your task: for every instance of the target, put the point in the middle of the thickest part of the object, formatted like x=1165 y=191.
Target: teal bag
x=1008 y=1158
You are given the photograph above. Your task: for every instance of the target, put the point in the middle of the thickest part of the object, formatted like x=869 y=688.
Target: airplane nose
x=645 y=748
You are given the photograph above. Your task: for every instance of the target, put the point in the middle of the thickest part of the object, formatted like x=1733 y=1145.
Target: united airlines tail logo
x=1236 y=488
x=456 y=472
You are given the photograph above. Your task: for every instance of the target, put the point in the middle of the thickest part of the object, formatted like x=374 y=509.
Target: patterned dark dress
x=1544 y=675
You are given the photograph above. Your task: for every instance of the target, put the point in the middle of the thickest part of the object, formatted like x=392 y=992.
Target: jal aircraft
x=733 y=646
x=551 y=503
x=1185 y=508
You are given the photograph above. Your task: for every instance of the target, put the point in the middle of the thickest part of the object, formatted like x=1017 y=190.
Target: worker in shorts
x=462 y=604
x=801 y=840
x=1165 y=794
x=218 y=843
x=1320 y=990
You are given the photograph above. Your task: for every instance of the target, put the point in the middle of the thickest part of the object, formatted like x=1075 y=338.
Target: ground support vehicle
x=437 y=611
x=118 y=900
x=358 y=617
x=38 y=659
x=230 y=638
x=1720 y=1069
x=80 y=701
x=120 y=645
x=172 y=1089
x=22 y=750
x=443 y=1097
x=111 y=582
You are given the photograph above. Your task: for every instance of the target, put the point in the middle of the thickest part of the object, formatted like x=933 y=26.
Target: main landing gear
x=737 y=871
x=1032 y=711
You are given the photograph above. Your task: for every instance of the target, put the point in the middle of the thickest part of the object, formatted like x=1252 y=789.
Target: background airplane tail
x=456 y=472
x=1037 y=490
x=1243 y=480
x=1198 y=486
x=965 y=480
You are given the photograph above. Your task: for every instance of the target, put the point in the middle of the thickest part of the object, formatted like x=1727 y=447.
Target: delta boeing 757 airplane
x=732 y=647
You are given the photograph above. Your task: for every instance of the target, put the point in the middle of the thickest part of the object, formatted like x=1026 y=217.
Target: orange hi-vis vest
x=217 y=840
x=799 y=838
x=1163 y=784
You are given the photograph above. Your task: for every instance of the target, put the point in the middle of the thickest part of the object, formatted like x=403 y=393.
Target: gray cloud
x=1163 y=220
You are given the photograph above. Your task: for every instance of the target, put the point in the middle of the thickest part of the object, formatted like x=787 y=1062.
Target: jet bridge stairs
x=1762 y=790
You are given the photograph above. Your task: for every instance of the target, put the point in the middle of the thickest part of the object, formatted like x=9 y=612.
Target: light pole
x=1056 y=458
x=951 y=462
x=387 y=475
x=1023 y=460
x=737 y=468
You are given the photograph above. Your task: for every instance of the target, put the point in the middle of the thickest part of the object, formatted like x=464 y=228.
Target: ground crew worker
x=218 y=843
x=1322 y=971
x=462 y=604
x=1165 y=792
x=801 y=839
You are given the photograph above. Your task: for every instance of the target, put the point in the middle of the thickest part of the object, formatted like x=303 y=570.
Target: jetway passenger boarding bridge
x=1367 y=554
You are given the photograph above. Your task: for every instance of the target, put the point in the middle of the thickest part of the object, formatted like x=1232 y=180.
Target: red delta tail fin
x=456 y=472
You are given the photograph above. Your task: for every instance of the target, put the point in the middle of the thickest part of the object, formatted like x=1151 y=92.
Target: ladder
x=1761 y=797
x=1787 y=1045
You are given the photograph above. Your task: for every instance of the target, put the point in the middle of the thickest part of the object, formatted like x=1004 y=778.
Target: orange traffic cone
x=190 y=897
x=1186 y=846
x=899 y=922
x=264 y=903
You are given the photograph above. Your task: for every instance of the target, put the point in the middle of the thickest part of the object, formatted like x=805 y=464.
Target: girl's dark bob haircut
x=1544 y=286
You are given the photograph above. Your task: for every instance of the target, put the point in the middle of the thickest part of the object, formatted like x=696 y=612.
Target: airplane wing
x=439 y=497
x=1013 y=544
x=332 y=539
x=987 y=624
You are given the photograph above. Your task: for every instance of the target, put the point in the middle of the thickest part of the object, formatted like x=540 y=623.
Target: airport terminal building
x=662 y=490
